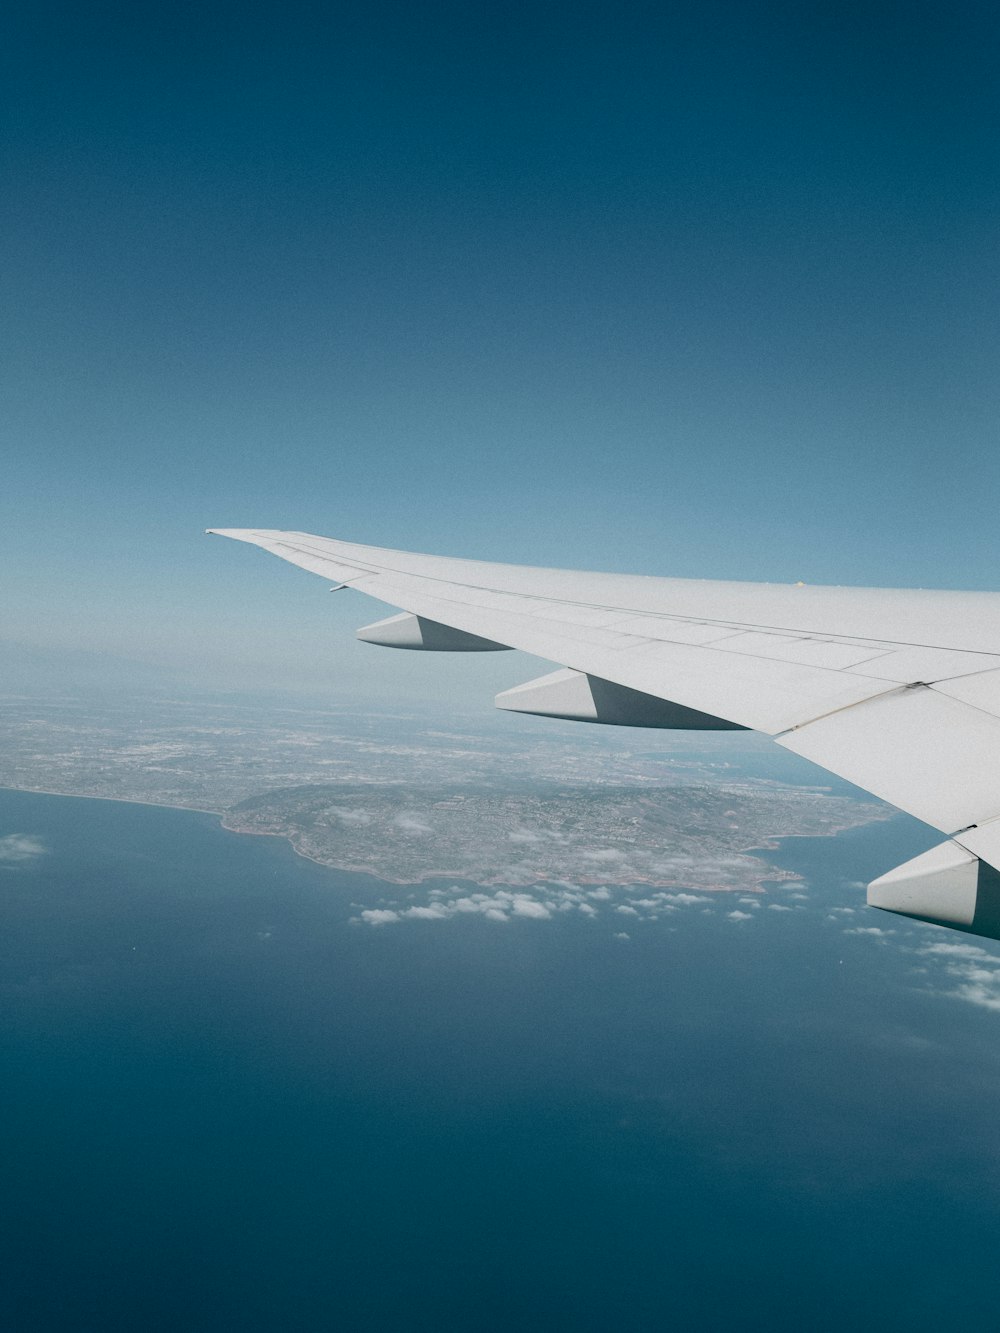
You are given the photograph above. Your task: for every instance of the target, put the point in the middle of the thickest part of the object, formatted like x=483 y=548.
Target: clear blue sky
x=699 y=289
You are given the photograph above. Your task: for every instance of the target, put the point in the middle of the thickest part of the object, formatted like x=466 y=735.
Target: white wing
x=896 y=690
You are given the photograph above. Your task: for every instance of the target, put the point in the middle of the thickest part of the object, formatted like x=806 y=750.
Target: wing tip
x=238 y=534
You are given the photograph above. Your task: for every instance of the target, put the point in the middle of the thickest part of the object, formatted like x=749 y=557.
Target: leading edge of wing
x=962 y=621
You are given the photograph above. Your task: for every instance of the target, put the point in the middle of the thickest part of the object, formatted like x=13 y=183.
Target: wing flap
x=929 y=755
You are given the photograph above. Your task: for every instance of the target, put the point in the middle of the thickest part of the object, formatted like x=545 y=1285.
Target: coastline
x=769 y=874
x=122 y=800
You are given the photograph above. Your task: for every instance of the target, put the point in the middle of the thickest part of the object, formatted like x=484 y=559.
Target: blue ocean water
x=226 y=1106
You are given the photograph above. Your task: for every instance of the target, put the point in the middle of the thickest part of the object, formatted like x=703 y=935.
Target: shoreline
x=771 y=842
x=120 y=800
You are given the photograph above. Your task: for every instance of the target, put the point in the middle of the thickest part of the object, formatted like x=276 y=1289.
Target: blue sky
x=704 y=289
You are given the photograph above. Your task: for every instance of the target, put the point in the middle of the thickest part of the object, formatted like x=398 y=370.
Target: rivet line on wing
x=843 y=708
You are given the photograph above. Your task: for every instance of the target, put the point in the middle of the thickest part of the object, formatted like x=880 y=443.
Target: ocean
x=228 y=1104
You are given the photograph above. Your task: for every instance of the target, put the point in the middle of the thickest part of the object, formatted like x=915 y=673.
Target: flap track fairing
x=579 y=697
x=417 y=632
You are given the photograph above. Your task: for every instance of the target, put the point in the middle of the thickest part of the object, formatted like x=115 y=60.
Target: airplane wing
x=896 y=690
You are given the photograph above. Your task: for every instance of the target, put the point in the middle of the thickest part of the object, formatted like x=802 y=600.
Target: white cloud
x=550 y=899
x=867 y=930
x=523 y=835
x=976 y=971
x=498 y=906
x=522 y=906
x=411 y=824
x=350 y=817
x=975 y=992
x=379 y=916
x=961 y=951
x=622 y=935
x=18 y=849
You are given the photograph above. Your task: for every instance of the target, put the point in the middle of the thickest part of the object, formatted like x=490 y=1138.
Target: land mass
x=398 y=797
x=669 y=837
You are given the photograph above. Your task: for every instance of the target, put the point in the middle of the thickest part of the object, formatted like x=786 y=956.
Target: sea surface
x=226 y=1104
